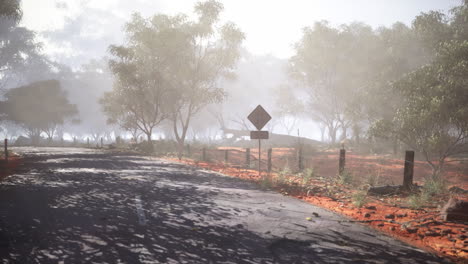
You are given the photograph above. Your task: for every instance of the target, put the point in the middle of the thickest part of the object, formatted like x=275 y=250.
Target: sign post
x=259 y=118
x=6 y=150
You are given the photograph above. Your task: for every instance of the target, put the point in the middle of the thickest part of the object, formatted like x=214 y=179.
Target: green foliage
x=19 y=52
x=307 y=175
x=10 y=9
x=283 y=174
x=434 y=186
x=344 y=95
x=359 y=199
x=432 y=117
x=419 y=200
x=38 y=107
x=266 y=182
x=169 y=69
x=431 y=187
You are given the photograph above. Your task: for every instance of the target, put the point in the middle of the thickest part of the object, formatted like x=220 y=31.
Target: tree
x=432 y=28
x=170 y=68
x=140 y=94
x=210 y=54
x=38 y=107
x=289 y=108
x=18 y=48
x=19 y=52
x=333 y=64
x=399 y=51
x=10 y=9
x=433 y=117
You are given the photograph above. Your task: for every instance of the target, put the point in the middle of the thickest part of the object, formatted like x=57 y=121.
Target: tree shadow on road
x=85 y=209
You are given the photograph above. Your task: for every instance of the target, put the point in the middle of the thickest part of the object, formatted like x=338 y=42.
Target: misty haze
x=223 y=131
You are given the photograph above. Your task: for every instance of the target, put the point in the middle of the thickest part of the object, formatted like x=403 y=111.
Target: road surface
x=69 y=205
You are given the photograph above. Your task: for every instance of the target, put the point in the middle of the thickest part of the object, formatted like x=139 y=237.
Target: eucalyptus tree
x=333 y=63
x=38 y=107
x=288 y=108
x=433 y=116
x=170 y=67
x=10 y=9
x=18 y=48
x=140 y=93
x=209 y=52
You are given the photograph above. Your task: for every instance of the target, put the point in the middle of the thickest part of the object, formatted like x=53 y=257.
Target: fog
x=227 y=131
x=322 y=73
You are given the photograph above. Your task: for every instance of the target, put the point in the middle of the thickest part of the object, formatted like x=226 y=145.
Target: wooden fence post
x=300 y=164
x=6 y=150
x=226 y=156
x=247 y=158
x=204 y=154
x=408 y=171
x=270 y=150
x=342 y=161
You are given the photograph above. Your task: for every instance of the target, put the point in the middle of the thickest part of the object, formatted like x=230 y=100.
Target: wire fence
x=362 y=167
x=381 y=169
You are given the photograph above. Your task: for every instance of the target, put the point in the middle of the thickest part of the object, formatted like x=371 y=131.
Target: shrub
x=435 y=186
x=359 y=199
x=307 y=175
x=416 y=201
x=373 y=179
x=282 y=174
x=265 y=182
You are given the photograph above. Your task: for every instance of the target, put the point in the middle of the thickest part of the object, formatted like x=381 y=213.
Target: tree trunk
x=180 y=148
x=437 y=170
x=357 y=134
x=332 y=134
x=344 y=134
x=322 y=133
x=180 y=138
x=150 y=142
x=35 y=138
x=395 y=146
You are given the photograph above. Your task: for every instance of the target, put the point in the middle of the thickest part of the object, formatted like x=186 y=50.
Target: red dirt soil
x=422 y=228
x=7 y=169
x=385 y=169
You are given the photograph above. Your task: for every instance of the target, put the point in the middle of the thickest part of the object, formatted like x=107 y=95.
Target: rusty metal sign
x=259 y=117
x=259 y=134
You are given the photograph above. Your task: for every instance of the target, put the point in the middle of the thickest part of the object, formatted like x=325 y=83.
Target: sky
x=83 y=29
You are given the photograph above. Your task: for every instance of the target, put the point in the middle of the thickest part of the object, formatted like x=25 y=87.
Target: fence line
x=364 y=169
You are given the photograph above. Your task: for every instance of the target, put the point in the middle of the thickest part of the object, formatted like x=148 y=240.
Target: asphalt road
x=85 y=206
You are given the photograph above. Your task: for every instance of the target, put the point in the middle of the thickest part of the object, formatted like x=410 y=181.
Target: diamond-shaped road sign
x=259 y=117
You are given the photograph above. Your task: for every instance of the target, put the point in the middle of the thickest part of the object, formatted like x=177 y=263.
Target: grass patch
x=373 y=179
x=307 y=175
x=419 y=200
x=345 y=178
x=359 y=199
x=435 y=186
x=283 y=174
x=266 y=182
x=431 y=188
